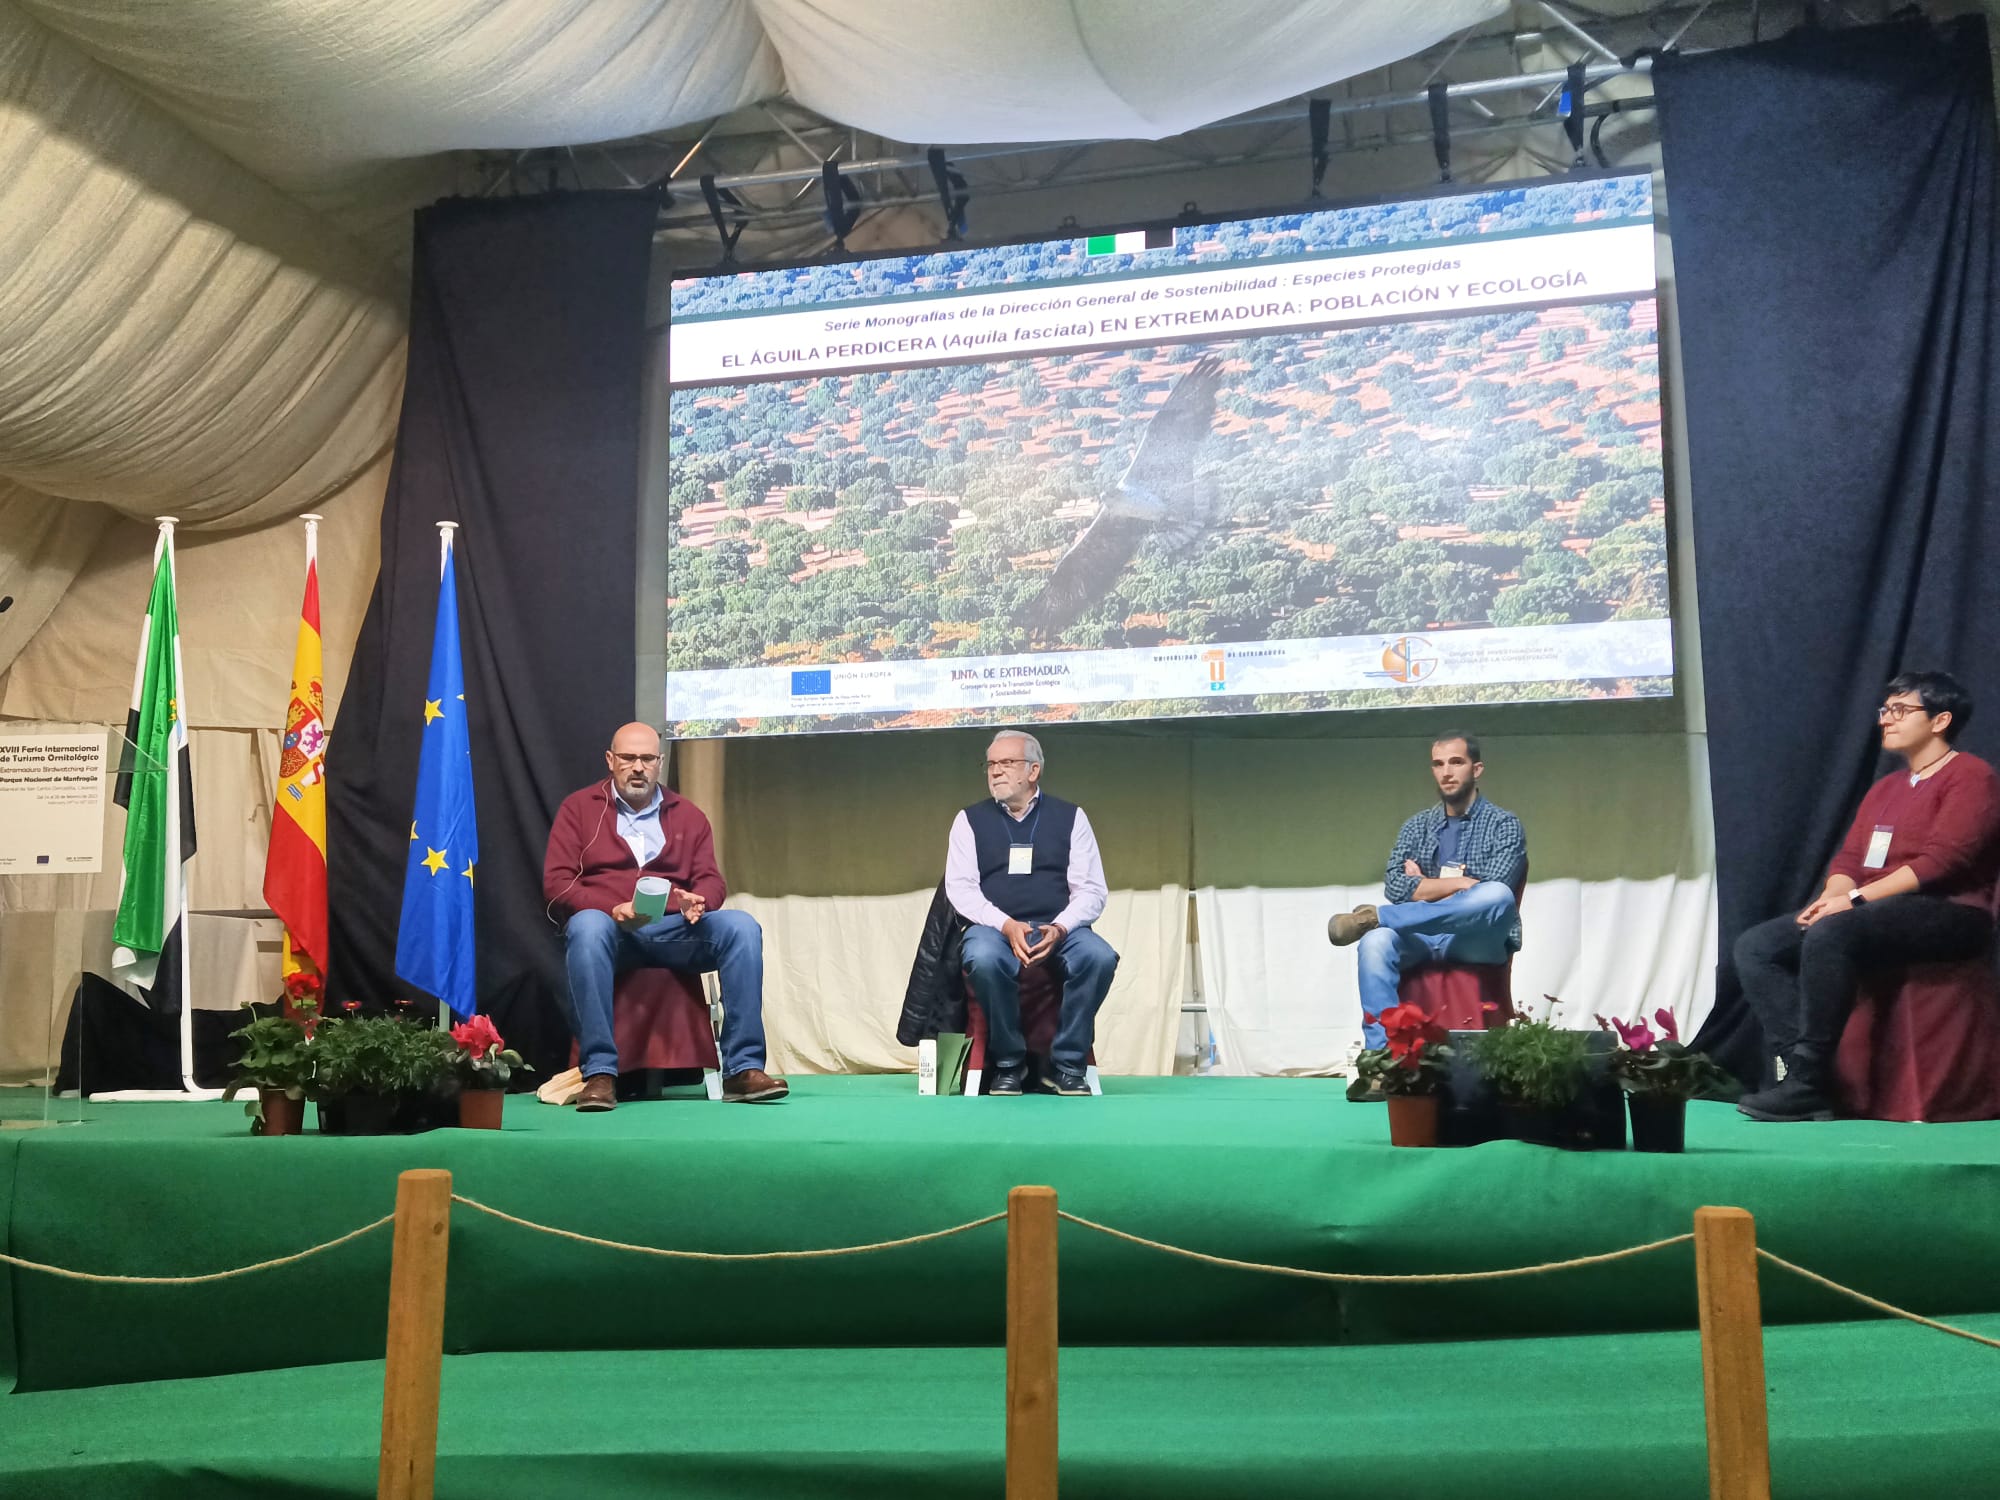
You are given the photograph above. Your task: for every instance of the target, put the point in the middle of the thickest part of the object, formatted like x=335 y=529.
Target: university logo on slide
x=1407 y=659
x=1218 y=669
x=816 y=684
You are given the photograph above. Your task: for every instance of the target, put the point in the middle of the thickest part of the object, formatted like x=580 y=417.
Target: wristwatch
x=1855 y=898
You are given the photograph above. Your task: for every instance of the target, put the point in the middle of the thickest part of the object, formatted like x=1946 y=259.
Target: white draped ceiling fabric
x=205 y=203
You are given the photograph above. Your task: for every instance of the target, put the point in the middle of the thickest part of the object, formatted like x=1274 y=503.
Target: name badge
x=1878 y=847
x=1450 y=872
x=1021 y=859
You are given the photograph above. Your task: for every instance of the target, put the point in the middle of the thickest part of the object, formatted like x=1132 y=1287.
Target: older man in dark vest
x=1024 y=870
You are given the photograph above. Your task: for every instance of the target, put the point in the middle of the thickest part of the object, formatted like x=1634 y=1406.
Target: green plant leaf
x=1533 y=1065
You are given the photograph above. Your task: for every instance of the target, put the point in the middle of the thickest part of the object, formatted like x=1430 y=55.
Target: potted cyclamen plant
x=1409 y=1070
x=484 y=1063
x=275 y=1059
x=1659 y=1074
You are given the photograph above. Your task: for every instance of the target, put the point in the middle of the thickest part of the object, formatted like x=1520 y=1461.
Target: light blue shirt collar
x=642 y=824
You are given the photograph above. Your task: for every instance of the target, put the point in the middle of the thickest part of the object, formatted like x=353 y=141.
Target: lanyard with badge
x=1456 y=868
x=1878 y=847
x=1021 y=857
x=1877 y=856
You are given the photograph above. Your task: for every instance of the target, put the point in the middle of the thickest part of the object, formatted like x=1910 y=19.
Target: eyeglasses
x=635 y=760
x=1895 y=713
x=1001 y=765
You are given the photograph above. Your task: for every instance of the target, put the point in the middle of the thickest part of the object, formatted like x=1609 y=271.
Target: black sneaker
x=1009 y=1079
x=1072 y=1083
x=1793 y=1099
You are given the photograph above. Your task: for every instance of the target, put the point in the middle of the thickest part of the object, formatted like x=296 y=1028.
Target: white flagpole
x=189 y=1089
x=188 y=1085
x=445 y=530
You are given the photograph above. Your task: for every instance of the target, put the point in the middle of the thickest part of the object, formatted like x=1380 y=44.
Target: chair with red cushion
x=659 y=1020
x=1041 y=1013
x=1461 y=997
x=1923 y=1043
x=1464 y=997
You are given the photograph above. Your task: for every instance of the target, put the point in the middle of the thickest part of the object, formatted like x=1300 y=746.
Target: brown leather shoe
x=600 y=1092
x=1349 y=926
x=753 y=1086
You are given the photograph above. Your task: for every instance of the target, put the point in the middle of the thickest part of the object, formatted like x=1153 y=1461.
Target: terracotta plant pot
x=479 y=1109
x=1659 y=1122
x=1413 y=1119
x=283 y=1115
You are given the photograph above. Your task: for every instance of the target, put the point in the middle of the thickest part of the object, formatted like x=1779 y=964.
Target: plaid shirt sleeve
x=1499 y=849
x=1396 y=885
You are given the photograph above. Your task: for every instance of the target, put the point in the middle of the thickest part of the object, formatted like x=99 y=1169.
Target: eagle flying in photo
x=1159 y=498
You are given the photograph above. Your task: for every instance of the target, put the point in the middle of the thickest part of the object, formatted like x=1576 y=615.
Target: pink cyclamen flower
x=1664 y=1019
x=1636 y=1035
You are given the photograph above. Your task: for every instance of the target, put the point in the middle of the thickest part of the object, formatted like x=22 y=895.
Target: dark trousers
x=1801 y=981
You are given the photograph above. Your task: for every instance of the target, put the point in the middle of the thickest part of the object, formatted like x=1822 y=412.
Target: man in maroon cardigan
x=1913 y=882
x=605 y=837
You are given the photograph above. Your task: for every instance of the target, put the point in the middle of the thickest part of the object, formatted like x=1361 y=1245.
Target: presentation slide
x=1401 y=453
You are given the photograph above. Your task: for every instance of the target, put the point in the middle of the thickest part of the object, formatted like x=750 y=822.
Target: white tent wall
x=239 y=594
x=182 y=338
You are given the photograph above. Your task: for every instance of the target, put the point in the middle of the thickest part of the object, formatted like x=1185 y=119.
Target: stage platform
x=892 y=1358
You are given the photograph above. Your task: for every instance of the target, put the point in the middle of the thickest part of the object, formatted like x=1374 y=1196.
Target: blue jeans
x=596 y=950
x=1087 y=963
x=1469 y=927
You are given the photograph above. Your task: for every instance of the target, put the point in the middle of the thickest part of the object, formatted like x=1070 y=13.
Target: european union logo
x=812 y=684
x=434 y=944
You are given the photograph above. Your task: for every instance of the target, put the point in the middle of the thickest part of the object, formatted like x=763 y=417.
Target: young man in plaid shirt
x=1450 y=887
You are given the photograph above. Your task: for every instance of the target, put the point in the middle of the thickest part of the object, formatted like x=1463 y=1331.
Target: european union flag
x=434 y=943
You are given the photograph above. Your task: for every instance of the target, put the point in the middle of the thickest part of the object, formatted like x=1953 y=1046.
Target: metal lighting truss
x=1489 y=100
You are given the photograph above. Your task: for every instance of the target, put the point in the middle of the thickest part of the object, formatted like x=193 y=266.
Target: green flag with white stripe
x=157 y=793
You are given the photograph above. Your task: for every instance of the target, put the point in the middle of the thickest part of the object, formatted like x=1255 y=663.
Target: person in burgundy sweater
x=1914 y=881
x=605 y=837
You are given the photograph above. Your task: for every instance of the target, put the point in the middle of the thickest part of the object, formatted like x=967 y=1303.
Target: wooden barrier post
x=1732 y=1354
x=416 y=1336
x=1031 y=1343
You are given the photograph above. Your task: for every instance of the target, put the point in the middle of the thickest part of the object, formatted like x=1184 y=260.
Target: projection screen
x=1385 y=454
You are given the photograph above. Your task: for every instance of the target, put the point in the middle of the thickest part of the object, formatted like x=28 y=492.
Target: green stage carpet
x=1858 y=1412
x=1280 y=1170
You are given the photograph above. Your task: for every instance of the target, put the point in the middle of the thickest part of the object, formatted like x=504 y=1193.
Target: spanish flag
x=295 y=869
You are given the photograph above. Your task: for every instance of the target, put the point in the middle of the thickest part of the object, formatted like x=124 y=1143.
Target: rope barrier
x=1607 y=1257
x=263 y=1265
x=1875 y=1302
x=724 y=1255
x=1364 y=1278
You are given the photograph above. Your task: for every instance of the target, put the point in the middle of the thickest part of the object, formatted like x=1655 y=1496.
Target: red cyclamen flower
x=1409 y=1030
x=477 y=1036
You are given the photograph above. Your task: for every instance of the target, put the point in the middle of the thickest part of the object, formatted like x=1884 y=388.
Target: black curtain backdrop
x=1831 y=199
x=521 y=422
